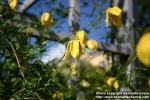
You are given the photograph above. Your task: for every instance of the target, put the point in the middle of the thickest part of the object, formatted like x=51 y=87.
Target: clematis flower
x=13 y=4
x=73 y=68
x=110 y=81
x=114 y=15
x=113 y=82
x=46 y=19
x=74 y=49
x=143 y=49
x=82 y=36
x=92 y=44
x=85 y=83
x=58 y=95
x=116 y=85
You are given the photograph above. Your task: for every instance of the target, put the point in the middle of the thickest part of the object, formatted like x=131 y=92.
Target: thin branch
x=131 y=73
x=16 y=58
x=17 y=92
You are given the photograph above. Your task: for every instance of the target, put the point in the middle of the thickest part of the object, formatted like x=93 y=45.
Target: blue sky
x=98 y=33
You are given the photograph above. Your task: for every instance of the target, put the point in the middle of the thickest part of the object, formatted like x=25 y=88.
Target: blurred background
x=31 y=65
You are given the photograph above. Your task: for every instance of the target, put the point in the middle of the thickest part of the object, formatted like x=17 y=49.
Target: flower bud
x=92 y=44
x=116 y=85
x=113 y=83
x=13 y=4
x=110 y=81
x=58 y=95
x=85 y=84
x=82 y=36
x=46 y=19
x=73 y=68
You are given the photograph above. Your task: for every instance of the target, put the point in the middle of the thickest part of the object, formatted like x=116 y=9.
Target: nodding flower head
x=114 y=15
x=74 y=49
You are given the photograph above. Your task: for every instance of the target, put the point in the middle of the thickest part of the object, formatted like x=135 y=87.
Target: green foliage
x=22 y=75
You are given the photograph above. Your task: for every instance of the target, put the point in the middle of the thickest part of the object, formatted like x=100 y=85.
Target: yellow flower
x=92 y=44
x=13 y=4
x=143 y=49
x=113 y=82
x=74 y=72
x=74 y=49
x=46 y=19
x=116 y=85
x=73 y=65
x=110 y=81
x=58 y=95
x=73 y=68
x=85 y=84
x=82 y=36
x=114 y=15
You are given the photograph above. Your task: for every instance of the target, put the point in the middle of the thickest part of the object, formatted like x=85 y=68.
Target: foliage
x=22 y=75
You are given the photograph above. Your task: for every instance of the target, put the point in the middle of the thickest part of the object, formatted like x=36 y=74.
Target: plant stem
x=16 y=58
x=131 y=73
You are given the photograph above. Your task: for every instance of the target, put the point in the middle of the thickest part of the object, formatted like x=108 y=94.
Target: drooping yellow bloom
x=113 y=82
x=46 y=19
x=82 y=36
x=58 y=95
x=74 y=49
x=92 y=44
x=114 y=15
x=143 y=49
x=13 y=4
x=85 y=84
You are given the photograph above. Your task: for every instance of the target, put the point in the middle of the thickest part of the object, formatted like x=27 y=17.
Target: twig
x=16 y=58
x=17 y=92
x=60 y=60
x=130 y=73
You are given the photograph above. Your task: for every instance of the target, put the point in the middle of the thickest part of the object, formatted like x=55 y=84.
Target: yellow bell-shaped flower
x=74 y=48
x=92 y=44
x=113 y=82
x=143 y=49
x=110 y=81
x=114 y=15
x=82 y=36
x=46 y=19
x=13 y=4
x=58 y=95
x=85 y=83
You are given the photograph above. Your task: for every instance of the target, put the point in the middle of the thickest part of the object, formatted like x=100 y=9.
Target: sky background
x=88 y=16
